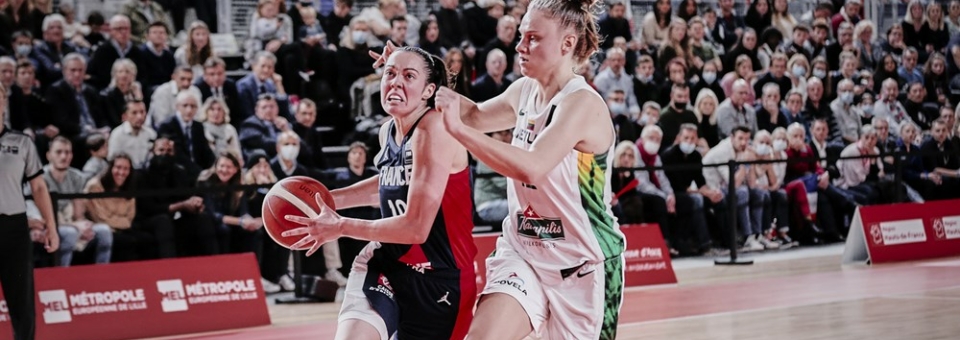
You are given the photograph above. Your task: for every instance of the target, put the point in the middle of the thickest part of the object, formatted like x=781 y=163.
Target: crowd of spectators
x=115 y=107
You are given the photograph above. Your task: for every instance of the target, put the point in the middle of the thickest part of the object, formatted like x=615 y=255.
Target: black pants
x=16 y=274
x=655 y=211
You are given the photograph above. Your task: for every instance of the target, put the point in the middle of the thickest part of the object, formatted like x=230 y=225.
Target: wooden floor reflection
x=810 y=297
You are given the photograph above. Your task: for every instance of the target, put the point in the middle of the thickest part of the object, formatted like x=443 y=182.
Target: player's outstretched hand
x=381 y=59
x=448 y=103
x=318 y=230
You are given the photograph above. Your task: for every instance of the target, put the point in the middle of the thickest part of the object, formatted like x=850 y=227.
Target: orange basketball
x=292 y=196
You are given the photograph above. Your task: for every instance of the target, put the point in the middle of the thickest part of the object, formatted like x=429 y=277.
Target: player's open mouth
x=394 y=98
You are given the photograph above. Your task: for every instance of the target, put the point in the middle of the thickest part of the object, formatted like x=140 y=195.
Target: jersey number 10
x=397 y=207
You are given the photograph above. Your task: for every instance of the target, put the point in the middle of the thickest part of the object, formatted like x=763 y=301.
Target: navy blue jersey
x=449 y=245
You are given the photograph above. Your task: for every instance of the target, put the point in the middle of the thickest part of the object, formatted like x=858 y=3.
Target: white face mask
x=819 y=73
x=779 y=145
x=799 y=71
x=618 y=108
x=290 y=152
x=359 y=37
x=651 y=148
x=687 y=148
x=846 y=97
x=709 y=77
x=762 y=149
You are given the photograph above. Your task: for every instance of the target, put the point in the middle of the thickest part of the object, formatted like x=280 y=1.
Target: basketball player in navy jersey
x=415 y=279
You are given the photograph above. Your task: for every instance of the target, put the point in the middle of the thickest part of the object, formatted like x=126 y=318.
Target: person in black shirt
x=334 y=22
x=769 y=115
x=451 y=24
x=693 y=234
x=676 y=114
x=940 y=156
x=311 y=142
x=613 y=24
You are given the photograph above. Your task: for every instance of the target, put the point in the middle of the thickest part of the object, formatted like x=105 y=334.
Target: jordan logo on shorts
x=444 y=299
x=532 y=225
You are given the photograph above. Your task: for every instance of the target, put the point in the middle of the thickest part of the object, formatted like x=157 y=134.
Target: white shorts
x=585 y=304
x=355 y=304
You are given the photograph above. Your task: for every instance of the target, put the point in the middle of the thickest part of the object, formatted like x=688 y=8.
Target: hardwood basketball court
x=794 y=294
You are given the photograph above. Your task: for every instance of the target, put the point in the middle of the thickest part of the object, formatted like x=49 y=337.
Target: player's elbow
x=531 y=174
x=422 y=225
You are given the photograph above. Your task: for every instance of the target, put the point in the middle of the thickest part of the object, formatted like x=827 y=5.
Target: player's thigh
x=355 y=329
x=499 y=316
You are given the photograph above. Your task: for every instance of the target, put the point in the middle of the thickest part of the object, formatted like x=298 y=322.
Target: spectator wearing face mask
x=709 y=81
x=691 y=192
x=855 y=173
x=654 y=186
x=650 y=115
x=847 y=114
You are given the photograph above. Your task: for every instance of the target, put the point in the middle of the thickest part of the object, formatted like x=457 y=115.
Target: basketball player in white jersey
x=557 y=272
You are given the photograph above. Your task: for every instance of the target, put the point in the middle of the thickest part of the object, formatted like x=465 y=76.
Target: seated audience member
x=237 y=231
x=627 y=204
x=285 y=163
x=784 y=193
x=889 y=108
x=736 y=110
x=922 y=115
x=356 y=171
x=768 y=201
x=914 y=173
x=76 y=231
x=654 y=187
x=261 y=81
x=624 y=122
x=189 y=137
x=26 y=103
x=215 y=83
x=818 y=108
x=76 y=106
x=769 y=115
x=311 y=146
x=156 y=59
x=122 y=89
x=676 y=114
x=491 y=83
x=719 y=178
x=51 y=51
x=615 y=76
x=132 y=137
x=847 y=114
x=97 y=146
x=118 y=46
x=676 y=74
x=177 y=222
x=815 y=180
x=942 y=157
x=223 y=137
x=708 y=81
x=118 y=213
x=196 y=52
x=691 y=192
x=260 y=130
x=646 y=87
x=163 y=102
x=490 y=189
x=259 y=173
x=854 y=173
x=650 y=115
x=705 y=109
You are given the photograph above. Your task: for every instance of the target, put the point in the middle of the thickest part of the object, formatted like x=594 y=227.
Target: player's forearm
x=401 y=229
x=503 y=158
x=361 y=194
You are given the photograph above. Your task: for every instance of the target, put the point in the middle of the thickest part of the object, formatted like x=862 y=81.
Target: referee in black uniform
x=19 y=163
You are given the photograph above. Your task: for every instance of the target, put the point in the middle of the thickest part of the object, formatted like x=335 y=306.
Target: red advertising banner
x=904 y=232
x=647 y=259
x=148 y=298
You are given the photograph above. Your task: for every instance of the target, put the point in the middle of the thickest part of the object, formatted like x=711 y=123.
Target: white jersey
x=564 y=219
